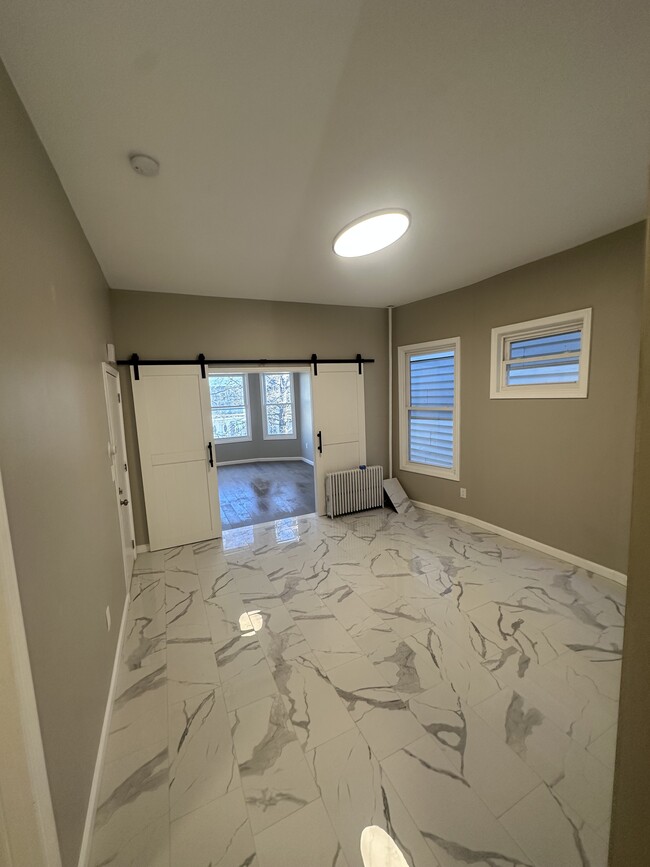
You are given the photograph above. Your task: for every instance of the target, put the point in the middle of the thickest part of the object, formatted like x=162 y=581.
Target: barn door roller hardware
x=136 y=362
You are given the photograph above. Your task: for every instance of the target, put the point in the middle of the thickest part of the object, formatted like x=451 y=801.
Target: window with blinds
x=544 y=358
x=429 y=408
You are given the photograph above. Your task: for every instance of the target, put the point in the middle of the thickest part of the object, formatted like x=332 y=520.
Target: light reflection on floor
x=378 y=849
x=240 y=537
x=251 y=622
x=286 y=530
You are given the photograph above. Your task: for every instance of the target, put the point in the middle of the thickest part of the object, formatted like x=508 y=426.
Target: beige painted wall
x=54 y=323
x=630 y=837
x=557 y=471
x=160 y=325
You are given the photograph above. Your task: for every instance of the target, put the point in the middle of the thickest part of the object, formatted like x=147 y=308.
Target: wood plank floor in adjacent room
x=264 y=491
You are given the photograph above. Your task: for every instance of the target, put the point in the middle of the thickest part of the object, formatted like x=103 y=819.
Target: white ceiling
x=510 y=129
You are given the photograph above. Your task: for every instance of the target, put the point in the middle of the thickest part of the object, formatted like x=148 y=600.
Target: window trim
x=247 y=406
x=506 y=334
x=265 y=434
x=404 y=390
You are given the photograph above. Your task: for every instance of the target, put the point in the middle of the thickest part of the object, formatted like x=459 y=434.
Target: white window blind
x=230 y=408
x=428 y=408
x=544 y=358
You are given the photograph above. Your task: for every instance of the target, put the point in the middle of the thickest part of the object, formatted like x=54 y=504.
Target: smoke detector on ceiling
x=143 y=165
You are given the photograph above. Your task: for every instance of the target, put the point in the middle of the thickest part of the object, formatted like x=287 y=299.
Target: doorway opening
x=179 y=452
x=262 y=424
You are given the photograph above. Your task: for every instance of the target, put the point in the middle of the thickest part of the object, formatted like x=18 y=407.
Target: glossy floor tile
x=284 y=687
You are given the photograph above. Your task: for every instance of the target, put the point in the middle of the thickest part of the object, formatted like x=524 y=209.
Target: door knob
x=124 y=502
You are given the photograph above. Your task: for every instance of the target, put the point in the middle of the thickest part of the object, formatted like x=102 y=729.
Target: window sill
x=226 y=440
x=280 y=436
x=427 y=470
x=522 y=393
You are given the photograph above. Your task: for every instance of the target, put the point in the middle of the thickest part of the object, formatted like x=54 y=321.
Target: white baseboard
x=590 y=566
x=142 y=549
x=86 y=841
x=256 y=461
x=307 y=461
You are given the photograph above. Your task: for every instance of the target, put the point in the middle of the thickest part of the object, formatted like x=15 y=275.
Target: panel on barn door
x=173 y=418
x=339 y=416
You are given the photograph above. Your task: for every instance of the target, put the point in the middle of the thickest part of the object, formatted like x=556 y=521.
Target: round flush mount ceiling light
x=144 y=165
x=371 y=232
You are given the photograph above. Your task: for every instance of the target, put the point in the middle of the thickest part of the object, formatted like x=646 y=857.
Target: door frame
x=27 y=827
x=109 y=370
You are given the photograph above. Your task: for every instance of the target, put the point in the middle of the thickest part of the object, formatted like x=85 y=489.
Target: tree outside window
x=278 y=405
x=230 y=409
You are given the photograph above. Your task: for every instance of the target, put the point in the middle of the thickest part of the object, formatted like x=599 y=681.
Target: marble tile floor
x=286 y=686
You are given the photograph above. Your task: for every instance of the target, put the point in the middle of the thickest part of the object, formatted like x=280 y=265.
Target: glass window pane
x=279 y=419
x=229 y=422
x=549 y=344
x=272 y=418
x=277 y=387
x=227 y=390
x=543 y=372
x=431 y=437
x=432 y=379
x=286 y=419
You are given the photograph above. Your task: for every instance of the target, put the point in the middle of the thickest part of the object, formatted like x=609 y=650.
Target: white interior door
x=179 y=474
x=339 y=422
x=119 y=468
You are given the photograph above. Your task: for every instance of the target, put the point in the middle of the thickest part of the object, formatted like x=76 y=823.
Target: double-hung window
x=231 y=418
x=429 y=375
x=278 y=406
x=542 y=358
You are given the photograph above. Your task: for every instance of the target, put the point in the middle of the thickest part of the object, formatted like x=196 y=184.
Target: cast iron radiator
x=354 y=490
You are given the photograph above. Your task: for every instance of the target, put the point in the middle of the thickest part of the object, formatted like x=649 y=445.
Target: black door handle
x=320 y=441
x=210 y=459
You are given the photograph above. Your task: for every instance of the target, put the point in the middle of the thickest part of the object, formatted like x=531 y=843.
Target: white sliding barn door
x=173 y=417
x=340 y=418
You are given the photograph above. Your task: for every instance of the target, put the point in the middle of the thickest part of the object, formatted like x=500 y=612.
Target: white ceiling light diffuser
x=371 y=232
